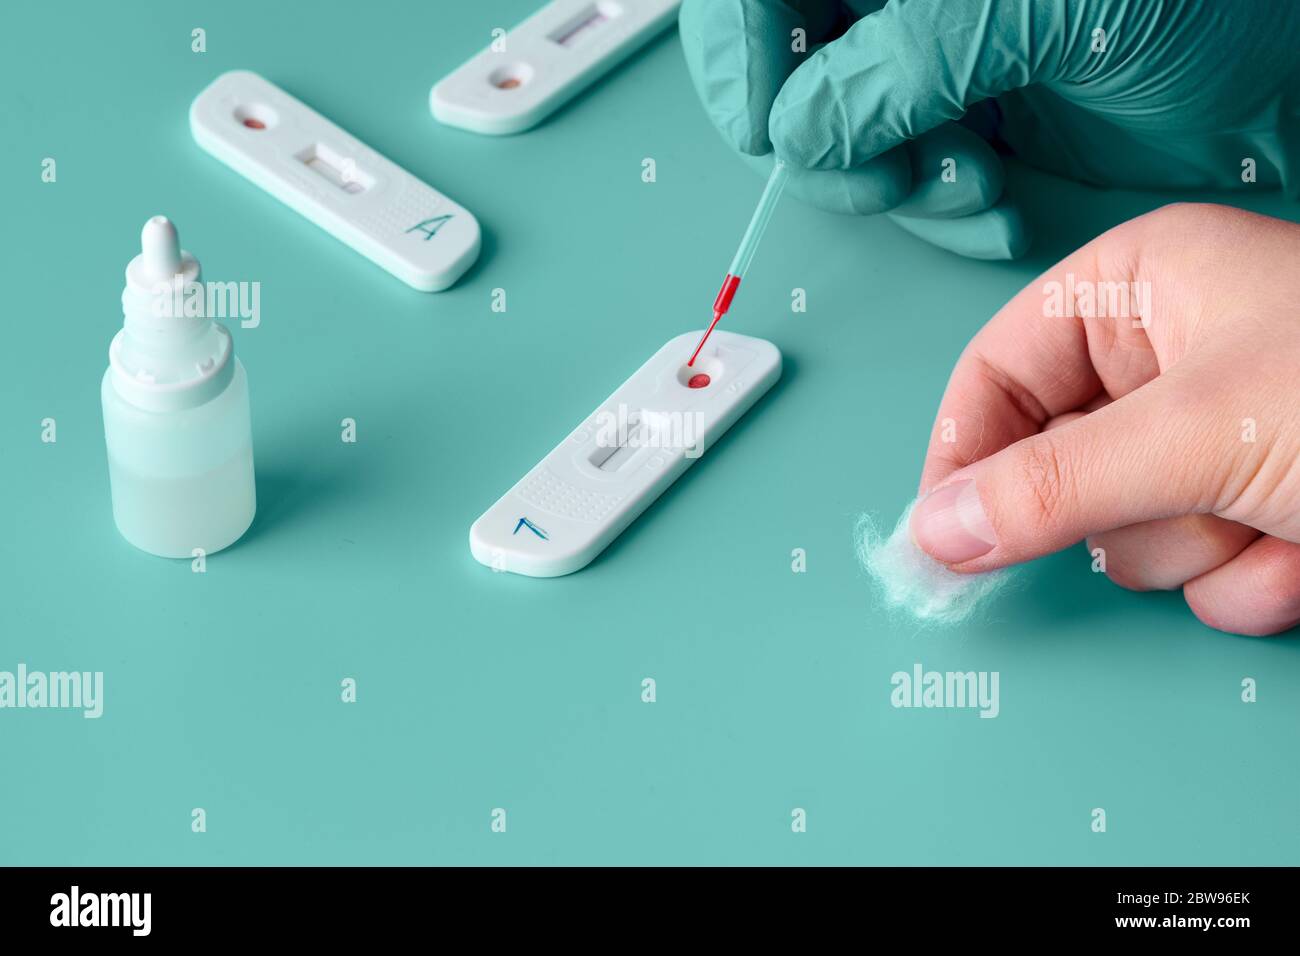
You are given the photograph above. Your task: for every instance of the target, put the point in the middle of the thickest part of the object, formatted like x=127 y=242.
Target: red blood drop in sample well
x=699 y=381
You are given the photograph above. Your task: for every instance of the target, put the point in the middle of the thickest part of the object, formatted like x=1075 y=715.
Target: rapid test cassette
x=534 y=69
x=342 y=185
x=582 y=495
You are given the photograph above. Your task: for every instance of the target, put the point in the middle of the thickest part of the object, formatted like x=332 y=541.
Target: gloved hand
x=1141 y=394
x=1140 y=93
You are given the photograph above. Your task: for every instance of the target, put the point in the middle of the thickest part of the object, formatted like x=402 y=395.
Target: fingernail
x=949 y=524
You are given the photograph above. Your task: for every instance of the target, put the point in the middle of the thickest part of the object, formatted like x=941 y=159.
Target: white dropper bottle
x=176 y=416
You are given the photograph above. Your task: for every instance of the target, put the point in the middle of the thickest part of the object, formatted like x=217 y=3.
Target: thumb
x=739 y=52
x=1145 y=456
x=907 y=68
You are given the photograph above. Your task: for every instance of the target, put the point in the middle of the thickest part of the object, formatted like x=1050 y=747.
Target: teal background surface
x=479 y=690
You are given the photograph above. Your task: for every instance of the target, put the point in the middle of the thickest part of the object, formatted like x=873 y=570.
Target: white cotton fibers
x=911 y=581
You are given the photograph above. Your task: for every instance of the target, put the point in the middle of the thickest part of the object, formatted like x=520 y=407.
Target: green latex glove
x=1176 y=93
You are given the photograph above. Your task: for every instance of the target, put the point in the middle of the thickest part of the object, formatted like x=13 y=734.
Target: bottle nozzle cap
x=160 y=249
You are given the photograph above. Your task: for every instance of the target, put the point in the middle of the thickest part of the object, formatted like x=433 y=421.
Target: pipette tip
x=160 y=249
x=704 y=338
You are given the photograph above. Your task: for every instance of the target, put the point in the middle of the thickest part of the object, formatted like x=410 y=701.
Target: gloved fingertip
x=997 y=233
x=865 y=190
x=737 y=63
x=786 y=145
x=957 y=174
x=1019 y=234
x=800 y=138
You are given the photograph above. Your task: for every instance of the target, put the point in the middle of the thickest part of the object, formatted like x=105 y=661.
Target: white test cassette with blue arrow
x=623 y=456
x=358 y=196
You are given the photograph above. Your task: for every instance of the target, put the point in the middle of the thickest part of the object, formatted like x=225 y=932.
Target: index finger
x=907 y=68
x=1038 y=358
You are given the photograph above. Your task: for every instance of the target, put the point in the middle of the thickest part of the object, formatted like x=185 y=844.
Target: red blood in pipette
x=728 y=292
x=720 y=306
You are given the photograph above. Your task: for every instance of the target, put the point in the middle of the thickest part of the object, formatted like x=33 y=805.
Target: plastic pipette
x=745 y=254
